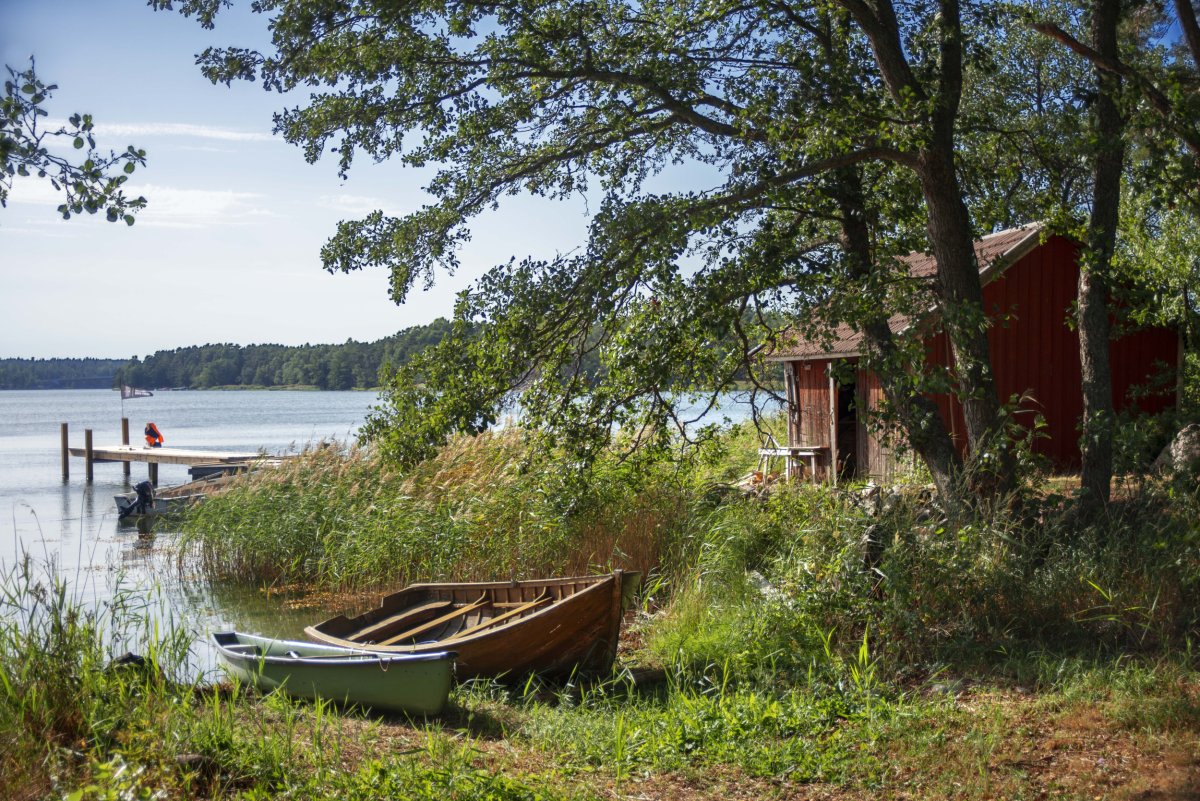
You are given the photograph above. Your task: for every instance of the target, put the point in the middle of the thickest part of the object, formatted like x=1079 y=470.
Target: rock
x=766 y=588
x=1182 y=454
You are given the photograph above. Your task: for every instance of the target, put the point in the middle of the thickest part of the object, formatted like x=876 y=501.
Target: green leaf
x=129 y=167
x=78 y=142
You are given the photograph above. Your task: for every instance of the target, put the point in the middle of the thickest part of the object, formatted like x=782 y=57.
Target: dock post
x=153 y=468
x=66 y=455
x=125 y=441
x=87 y=454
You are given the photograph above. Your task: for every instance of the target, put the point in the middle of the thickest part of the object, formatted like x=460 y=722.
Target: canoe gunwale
x=507 y=627
x=380 y=658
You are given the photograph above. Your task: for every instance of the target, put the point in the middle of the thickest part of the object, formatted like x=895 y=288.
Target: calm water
x=75 y=523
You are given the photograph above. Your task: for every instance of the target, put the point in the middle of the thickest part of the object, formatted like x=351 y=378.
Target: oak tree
x=29 y=147
x=818 y=141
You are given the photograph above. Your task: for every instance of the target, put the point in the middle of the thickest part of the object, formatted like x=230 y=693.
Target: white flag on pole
x=132 y=392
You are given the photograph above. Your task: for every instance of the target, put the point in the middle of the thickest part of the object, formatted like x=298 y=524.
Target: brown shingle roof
x=994 y=253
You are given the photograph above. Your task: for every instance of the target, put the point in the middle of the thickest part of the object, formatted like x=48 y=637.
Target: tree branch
x=1158 y=101
x=1186 y=13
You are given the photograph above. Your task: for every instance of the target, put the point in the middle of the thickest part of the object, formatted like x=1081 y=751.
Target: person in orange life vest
x=154 y=437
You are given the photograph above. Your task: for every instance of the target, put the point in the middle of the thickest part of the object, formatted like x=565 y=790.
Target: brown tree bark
x=918 y=414
x=991 y=464
x=951 y=235
x=1092 y=310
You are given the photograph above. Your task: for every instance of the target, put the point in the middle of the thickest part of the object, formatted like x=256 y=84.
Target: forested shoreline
x=58 y=373
x=349 y=365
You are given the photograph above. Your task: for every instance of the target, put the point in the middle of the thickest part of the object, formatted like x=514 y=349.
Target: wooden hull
x=547 y=626
x=396 y=682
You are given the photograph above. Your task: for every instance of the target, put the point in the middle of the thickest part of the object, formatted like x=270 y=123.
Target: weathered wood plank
x=131 y=453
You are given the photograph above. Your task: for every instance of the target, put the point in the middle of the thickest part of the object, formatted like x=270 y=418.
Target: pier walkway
x=202 y=462
x=138 y=453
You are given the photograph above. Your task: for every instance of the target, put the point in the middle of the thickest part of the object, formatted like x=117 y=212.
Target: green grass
x=802 y=639
x=74 y=725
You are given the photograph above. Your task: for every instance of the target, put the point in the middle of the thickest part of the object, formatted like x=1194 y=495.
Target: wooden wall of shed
x=812 y=402
x=876 y=460
x=1035 y=354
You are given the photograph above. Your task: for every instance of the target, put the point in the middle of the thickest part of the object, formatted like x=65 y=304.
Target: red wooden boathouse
x=1029 y=280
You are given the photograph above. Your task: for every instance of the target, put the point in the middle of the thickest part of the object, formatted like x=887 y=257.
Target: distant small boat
x=127 y=505
x=392 y=682
x=147 y=500
x=549 y=626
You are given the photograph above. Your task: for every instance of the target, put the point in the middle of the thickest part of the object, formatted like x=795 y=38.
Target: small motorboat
x=547 y=626
x=147 y=500
x=416 y=684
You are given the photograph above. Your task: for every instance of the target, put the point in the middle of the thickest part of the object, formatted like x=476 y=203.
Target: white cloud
x=38 y=229
x=169 y=206
x=204 y=149
x=354 y=205
x=136 y=129
x=34 y=191
x=172 y=207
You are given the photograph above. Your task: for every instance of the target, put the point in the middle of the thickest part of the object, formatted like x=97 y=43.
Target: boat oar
x=541 y=599
x=424 y=627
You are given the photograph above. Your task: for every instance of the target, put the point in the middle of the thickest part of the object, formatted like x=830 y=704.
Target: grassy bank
x=812 y=644
x=74 y=725
x=788 y=573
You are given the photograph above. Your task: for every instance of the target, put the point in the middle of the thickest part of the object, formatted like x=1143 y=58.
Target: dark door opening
x=847 y=430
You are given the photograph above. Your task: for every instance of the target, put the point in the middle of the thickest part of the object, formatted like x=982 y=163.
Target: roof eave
x=1013 y=255
x=816 y=357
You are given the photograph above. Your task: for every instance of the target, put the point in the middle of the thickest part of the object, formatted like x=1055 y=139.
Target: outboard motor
x=145 y=498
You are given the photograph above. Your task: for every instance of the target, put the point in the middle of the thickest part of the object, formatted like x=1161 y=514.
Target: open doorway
x=847 y=430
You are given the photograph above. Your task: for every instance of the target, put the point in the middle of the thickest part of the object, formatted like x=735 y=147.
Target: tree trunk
x=991 y=466
x=918 y=414
x=951 y=237
x=1092 y=310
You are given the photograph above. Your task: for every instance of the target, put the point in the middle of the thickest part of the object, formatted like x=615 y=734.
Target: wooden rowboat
x=418 y=684
x=549 y=626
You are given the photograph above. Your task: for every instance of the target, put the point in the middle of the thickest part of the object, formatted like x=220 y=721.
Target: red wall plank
x=1035 y=354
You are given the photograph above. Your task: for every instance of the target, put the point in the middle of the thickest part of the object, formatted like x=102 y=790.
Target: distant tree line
x=58 y=373
x=346 y=366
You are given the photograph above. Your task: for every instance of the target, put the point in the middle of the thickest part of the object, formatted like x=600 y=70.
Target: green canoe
x=417 y=684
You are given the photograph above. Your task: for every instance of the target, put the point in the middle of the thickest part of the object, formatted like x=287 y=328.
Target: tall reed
x=485 y=507
x=59 y=693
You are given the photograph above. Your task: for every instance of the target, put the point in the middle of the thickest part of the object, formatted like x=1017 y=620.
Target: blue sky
x=228 y=250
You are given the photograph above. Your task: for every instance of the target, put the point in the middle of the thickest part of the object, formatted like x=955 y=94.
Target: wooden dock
x=138 y=453
x=153 y=457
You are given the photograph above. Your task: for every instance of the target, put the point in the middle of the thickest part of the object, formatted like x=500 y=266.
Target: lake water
x=75 y=523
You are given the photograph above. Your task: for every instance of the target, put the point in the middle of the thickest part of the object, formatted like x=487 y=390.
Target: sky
x=228 y=248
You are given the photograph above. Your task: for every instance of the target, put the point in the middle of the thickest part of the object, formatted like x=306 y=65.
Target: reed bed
x=485 y=507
